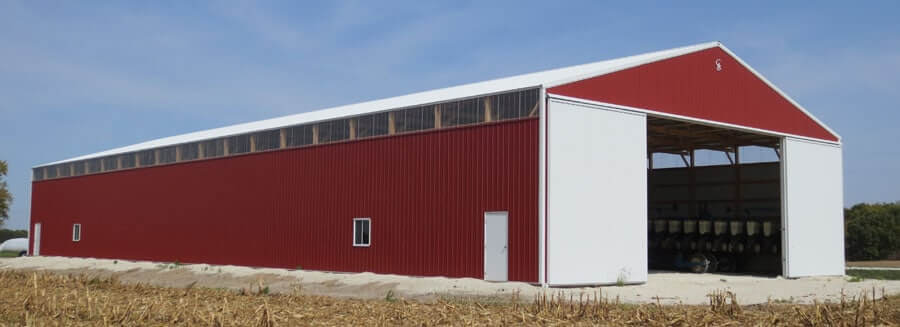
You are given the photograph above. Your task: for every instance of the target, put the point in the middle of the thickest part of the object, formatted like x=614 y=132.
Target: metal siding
x=690 y=86
x=813 y=209
x=426 y=194
x=597 y=196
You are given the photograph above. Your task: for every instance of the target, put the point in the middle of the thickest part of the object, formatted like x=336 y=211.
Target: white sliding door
x=597 y=195
x=813 y=208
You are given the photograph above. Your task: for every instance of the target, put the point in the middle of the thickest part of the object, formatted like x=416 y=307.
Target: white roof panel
x=544 y=78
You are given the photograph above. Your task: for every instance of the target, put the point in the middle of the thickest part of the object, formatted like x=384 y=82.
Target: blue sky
x=77 y=78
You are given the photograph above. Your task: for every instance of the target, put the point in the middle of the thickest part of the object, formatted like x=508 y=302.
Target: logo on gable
x=718 y=64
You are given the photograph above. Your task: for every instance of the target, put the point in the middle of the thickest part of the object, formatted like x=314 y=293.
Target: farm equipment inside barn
x=712 y=216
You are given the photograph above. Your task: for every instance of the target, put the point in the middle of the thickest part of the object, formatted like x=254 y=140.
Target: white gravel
x=665 y=287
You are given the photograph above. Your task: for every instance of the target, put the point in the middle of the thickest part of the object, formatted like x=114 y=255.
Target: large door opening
x=714 y=199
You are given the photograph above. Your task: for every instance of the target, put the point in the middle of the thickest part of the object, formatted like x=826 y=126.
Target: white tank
x=674 y=226
x=690 y=226
x=720 y=227
x=752 y=228
x=705 y=227
x=659 y=225
x=736 y=227
x=16 y=245
x=768 y=228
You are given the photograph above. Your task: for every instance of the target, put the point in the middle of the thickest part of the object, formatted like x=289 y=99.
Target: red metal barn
x=551 y=178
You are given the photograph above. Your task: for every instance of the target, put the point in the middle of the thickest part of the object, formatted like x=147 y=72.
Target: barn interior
x=714 y=199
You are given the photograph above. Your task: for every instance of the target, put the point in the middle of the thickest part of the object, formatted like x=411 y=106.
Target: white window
x=76 y=232
x=362 y=231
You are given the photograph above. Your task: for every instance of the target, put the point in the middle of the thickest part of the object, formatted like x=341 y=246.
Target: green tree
x=872 y=231
x=6 y=234
x=5 y=196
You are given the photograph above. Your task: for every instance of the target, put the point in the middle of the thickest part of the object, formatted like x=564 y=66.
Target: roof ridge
x=461 y=91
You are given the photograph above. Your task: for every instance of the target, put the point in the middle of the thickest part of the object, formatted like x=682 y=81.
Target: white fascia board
x=347 y=111
x=636 y=61
x=659 y=56
x=500 y=85
x=700 y=121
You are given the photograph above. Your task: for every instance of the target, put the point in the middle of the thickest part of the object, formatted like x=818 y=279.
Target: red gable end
x=692 y=86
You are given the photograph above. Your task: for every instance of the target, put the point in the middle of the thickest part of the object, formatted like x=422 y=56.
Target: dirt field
x=878 y=264
x=41 y=298
x=662 y=287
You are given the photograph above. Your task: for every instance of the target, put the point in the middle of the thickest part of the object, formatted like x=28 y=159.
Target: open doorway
x=714 y=199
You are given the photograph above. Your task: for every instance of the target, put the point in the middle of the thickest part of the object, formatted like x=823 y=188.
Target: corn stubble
x=50 y=299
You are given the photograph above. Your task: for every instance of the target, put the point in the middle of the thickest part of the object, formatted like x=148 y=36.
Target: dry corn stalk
x=50 y=299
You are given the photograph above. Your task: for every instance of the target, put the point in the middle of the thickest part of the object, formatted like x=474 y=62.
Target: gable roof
x=545 y=78
x=709 y=86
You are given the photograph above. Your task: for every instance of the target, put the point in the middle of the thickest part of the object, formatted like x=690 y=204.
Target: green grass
x=857 y=274
x=7 y=254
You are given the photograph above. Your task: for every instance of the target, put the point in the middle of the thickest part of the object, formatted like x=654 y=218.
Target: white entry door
x=496 y=247
x=36 y=235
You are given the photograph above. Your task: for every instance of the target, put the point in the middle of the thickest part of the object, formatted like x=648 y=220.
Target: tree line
x=6 y=234
x=872 y=231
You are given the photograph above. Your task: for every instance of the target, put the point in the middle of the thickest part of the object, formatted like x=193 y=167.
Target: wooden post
x=352 y=128
x=156 y=157
x=119 y=161
x=283 y=135
x=102 y=166
x=315 y=129
x=72 y=169
x=177 y=153
x=137 y=160
x=225 y=144
x=200 y=153
x=692 y=176
x=437 y=116
x=392 y=127
x=252 y=142
x=488 y=109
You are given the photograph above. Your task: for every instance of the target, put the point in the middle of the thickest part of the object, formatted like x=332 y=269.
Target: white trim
x=542 y=169
x=34 y=235
x=544 y=79
x=650 y=59
x=701 y=121
x=76 y=232
x=782 y=162
x=598 y=105
x=368 y=226
x=815 y=141
x=416 y=99
x=784 y=95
